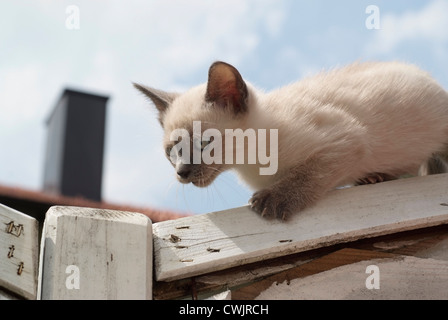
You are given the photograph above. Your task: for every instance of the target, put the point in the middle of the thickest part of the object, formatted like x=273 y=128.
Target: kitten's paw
x=270 y=204
x=375 y=177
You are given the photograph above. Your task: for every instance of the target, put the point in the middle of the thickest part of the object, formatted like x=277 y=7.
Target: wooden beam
x=229 y=278
x=19 y=252
x=344 y=275
x=95 y=254
x=412 y=242
x=219 y=240
x=325 y=263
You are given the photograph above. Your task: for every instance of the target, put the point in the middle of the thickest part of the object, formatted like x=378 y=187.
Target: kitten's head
x=199 y=115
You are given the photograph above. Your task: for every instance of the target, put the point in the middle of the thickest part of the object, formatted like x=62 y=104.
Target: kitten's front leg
x=300 y=188
x=270 y=203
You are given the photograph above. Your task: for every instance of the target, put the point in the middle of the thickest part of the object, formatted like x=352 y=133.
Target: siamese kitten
x=365 y=123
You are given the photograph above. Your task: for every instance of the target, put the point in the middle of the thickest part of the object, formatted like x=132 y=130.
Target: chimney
x=75 y=145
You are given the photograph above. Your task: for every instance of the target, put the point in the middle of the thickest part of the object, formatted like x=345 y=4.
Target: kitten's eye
x=168 y=151
x=172 y=155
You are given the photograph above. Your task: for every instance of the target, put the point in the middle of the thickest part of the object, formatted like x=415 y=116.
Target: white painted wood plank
x=399 y=278
x=438 y=251
x=19 y=252
x=219 y=240
x=225 y=295
x=95 y=254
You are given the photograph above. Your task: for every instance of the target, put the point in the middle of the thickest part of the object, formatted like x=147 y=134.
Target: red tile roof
x=155 y=215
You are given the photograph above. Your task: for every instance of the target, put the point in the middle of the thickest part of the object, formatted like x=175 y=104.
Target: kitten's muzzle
x=184 y=172
x=190 y=173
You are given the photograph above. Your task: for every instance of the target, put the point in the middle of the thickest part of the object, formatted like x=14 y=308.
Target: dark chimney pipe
x=75 y=145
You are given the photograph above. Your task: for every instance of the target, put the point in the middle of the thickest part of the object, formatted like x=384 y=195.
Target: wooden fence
x=86 y=253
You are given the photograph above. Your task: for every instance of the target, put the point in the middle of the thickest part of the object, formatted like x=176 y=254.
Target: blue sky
x=169 y=45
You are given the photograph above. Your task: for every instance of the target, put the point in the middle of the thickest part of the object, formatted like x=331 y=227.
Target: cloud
x=161 y=43
x=21 y=91
x=21 y=141
x=175 y=39
x=429 y=24
x=169 y=41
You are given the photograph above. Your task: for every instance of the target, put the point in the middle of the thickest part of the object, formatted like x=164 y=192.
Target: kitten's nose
x=184 y=172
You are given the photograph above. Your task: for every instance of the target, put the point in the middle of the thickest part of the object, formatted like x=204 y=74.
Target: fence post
x=95 y=254
x=19 y=251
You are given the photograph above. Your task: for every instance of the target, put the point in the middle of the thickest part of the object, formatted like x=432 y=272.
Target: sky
x=103 y=46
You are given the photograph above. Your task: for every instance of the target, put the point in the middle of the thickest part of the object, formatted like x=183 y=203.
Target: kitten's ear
x=226 y=87
x=161 y=99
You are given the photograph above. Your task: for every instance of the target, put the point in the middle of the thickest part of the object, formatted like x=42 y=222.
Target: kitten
x=365 y=123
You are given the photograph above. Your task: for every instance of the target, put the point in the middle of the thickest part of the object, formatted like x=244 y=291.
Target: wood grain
x=219 y=240
x=95 y=254
x=328 y=262
x=344 y=275
x=417 y=242
x=19 y=252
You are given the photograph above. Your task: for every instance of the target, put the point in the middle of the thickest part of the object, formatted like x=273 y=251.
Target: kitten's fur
x=365 y=122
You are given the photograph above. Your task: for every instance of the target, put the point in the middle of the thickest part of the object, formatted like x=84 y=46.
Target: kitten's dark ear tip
x=161 y=99
x=219 y=63
x=138 y=86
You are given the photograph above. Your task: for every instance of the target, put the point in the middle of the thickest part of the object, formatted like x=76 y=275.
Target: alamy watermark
x=208 y=147
x=373 y=280
x=373 y=20
x=72 y=22
x=73 y=279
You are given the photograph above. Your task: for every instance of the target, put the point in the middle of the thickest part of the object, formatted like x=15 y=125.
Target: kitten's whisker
x=171 y=185
x=187 y=203
x=223 y=199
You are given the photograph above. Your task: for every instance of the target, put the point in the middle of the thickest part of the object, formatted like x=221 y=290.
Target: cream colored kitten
x=366 y=122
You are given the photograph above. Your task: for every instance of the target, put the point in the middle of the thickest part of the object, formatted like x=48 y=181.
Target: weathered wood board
x=325 y=263
x=199 y=244
x=19 y=252
x=351 y=275
x=425 y=242
x=5 y=295
x=95 y=254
